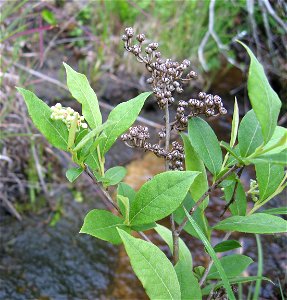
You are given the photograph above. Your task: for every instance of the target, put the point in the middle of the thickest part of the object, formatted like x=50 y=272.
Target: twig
x=283 y=119
x=108 y=198
x=250 y=10
x=216 y=38
x=202 y=198
x=167 y=134
x=175 y=236
x=233 y=197
x=200 y=51
x=211 y=26
x=272 y=12
x=10 y=207
x=144 y=236
x=267 y=28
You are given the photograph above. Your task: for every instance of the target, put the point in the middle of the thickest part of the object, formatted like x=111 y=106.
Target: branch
x=175 y=236
x=216 y=38
x=202 y=198
x=272 y=12
x=232 y=199
x=250 y=10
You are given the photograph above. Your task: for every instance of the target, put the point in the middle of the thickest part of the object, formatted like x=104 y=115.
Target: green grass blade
x=213 y=256
x=259 y=269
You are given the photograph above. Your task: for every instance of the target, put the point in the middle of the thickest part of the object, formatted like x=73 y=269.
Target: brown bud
x=129 y=32
x=201 y=95
x=124 y=38
x=141 y=37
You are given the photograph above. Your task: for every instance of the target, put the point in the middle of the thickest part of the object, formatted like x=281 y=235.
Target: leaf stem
x=202 y=198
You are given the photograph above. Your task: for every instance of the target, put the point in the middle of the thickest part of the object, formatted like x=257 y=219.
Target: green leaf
x=81 y=90
x=239 y=205
x=269 y=177
x=206 y=290
x=199 y=271
x=160 y=196
x=212 y=254
x=206 y=144
x=49 y=17
x=55 y=131
x=256 y=223
x=103 y=224
x=126 y=191
x=189 y=286
x=73 y=173
x=90 y=136
x=231 y=151
x=249 y=134
x=278 y=141
x=233 y=266
x=152 y=267
x=265 y=102
x=198 y=216
x=184 y=253
x=194 y=163
x=276 y=158
x=143 y=227
x=235 y=123
x=231 y=161
x=276 y=211
x=226 y=246
x=115 y=175
x=122 y=116
x=92 y=161
x=124 y=205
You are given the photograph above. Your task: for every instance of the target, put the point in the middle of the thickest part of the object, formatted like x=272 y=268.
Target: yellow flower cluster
x=67 y=115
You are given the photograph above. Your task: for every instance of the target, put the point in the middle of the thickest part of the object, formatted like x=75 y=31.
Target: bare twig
x=144 y=236
x=108 y=199
x=250 y=10
x=223 y=48
x=272 y=12
x=202 y=198
x=10 y=207
x=200 y=51
x=175 y=236
x=211 y=26
x=267 y=27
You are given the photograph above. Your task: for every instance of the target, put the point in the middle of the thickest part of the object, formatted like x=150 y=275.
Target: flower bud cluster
x=254 y=191
x=167 y=76
x=206 y=104
x=67 y=115
x=176 y=157
x=137 y=137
